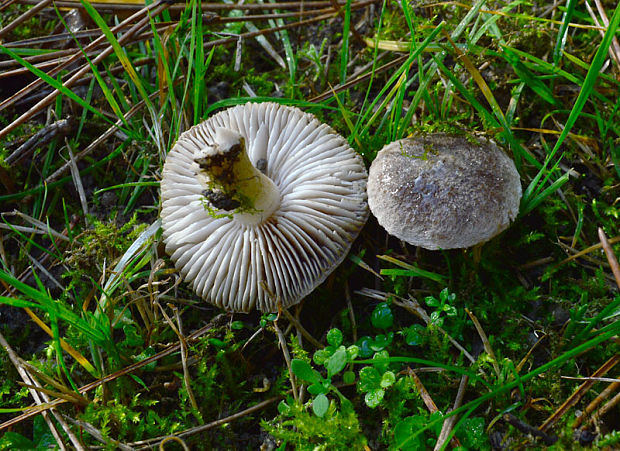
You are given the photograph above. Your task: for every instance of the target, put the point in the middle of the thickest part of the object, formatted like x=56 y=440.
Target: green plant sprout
x=443 y=306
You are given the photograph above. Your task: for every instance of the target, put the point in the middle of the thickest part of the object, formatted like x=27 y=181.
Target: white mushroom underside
x=239 y=267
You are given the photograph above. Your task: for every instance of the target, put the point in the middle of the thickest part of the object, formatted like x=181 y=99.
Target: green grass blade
x=557 y=362
x=562 y=32
x=120 y=54
x=344 y=52
x=533 y=202
x=16 y=302
x=607 y=310
x=56 y=85
x=531 y=80
x=102 y=84
x=395 y=78
x=586 y=89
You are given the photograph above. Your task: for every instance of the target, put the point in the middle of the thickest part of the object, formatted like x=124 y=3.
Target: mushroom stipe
x=289 y=197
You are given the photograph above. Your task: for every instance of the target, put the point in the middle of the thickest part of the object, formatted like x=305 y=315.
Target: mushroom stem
x=232 y=183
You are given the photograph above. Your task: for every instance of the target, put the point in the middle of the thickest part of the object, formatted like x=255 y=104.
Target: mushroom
x=260 y=203
x=443 y=191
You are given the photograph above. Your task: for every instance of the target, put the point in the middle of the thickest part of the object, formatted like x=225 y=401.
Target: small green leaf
x=237 y=325
x=472 y=434
x=217 y=342
x=381 y=361
x=320 y=405
x=315 y=389
x=370 y=379
x=321 y=355
x=382 y=341
x=431 y=301
x=336 y=362
x=374 y=397
x=364 y=344
x=334 y=337
x=283 y=408
x=13 y=440
x=404 y=431
x=304 y=371
x=387 y=379
x=414 y=335
x=382 y=317
x=450 y=310
x=348 y=377
x=352 y=352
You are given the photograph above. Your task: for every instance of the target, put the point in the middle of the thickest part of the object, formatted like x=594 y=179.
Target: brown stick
x=595 y=403
x=155 y=9
x=150 y=443
x=578 y=394
x=182 y=5
x=215 y=322
x=27 y=15
x=611 y=257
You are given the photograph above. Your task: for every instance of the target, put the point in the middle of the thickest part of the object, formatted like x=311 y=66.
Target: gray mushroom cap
x=442 y=191
x=315 y=186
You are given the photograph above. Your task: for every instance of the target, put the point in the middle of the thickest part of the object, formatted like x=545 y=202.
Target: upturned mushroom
x=442 y=191
x=260 y=203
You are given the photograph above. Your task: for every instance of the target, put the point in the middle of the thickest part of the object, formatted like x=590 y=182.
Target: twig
x=426 y=397
x=339 y=88
x=317 y=344
x=62 y=127
x=204 y=6
x=448 y=423
x=183 y=346
x=614 y=48
x=154 y=9
x=40 y=398
x=585 y=251
x=174 y=439
x=101 y=139
x=301 y=23
x=186 y=379
x=595 y=403
x=148 y=444
x=416 y=309
x=287 y=358
x=578 y=393
x=77 y=181
x=596 y=379
x=97 y=435
x=40 y=227
x=611 y=257
x=215 y=322
x=412 y=306
x=529 y=353
x=485 y=341
x=606 y=408
x=101 y=40
x=27 y=15
x=347 y=296
x=529 y=429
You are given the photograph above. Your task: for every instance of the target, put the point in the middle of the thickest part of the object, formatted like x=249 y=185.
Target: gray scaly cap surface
x=442 y=191
x=247 y=238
